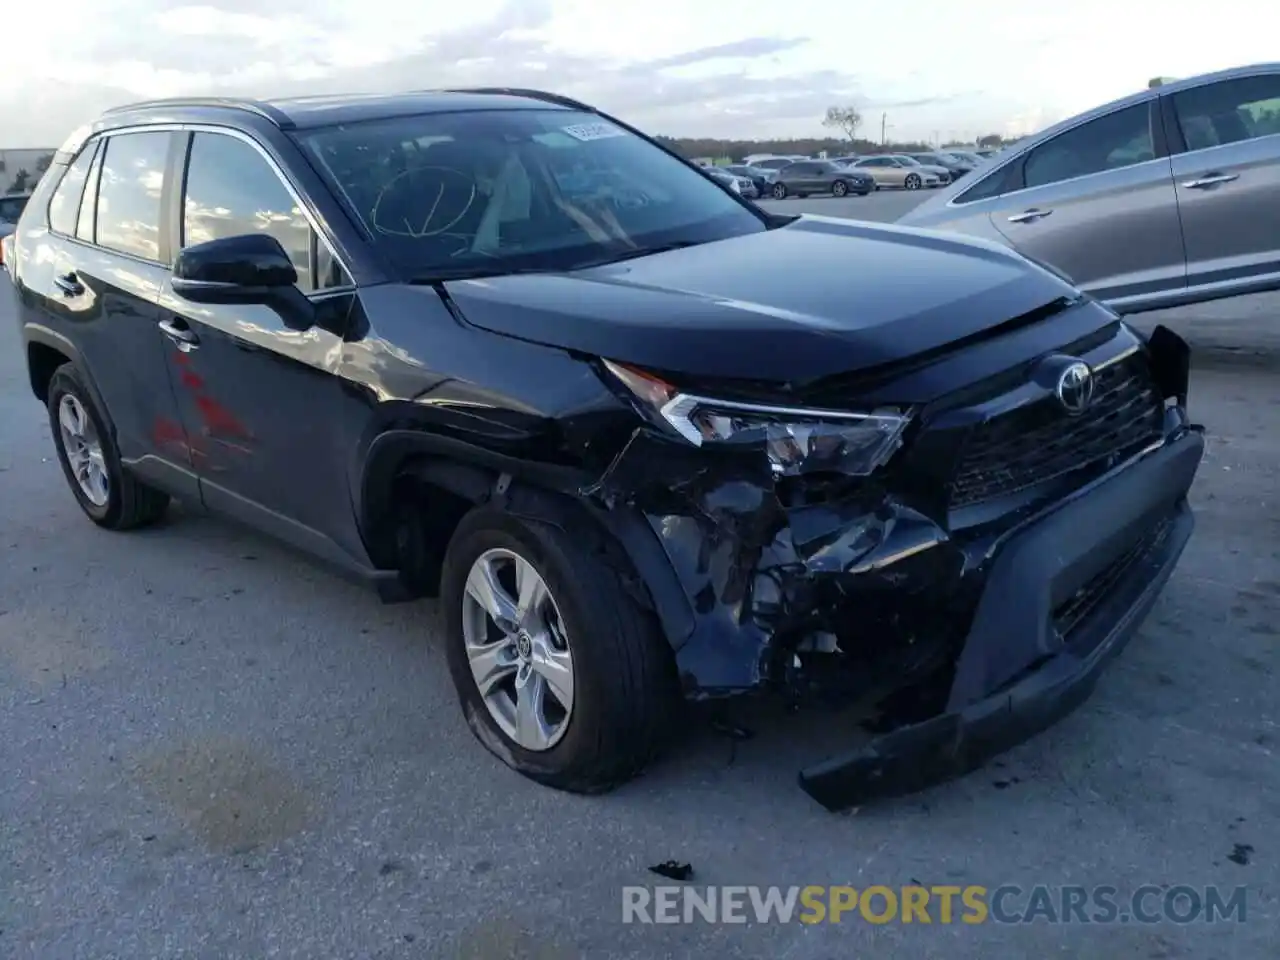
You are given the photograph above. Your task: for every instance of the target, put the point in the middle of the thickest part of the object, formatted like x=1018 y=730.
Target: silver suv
x=1167 y=197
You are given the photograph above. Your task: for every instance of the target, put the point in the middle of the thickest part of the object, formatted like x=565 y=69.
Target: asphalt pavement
x=211 y=749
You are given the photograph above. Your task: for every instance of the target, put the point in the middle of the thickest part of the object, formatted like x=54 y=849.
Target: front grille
x=1040 y=442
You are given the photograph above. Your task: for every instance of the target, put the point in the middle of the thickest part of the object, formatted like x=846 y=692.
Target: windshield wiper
x=484 y=271
x=477 y=272
x=640 y=252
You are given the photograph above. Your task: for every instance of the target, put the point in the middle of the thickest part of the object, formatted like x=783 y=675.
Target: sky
x=927 y=69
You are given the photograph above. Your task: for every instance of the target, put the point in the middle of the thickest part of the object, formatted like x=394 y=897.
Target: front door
x=261 y=402
x=1100 y=206
x=1228 y=180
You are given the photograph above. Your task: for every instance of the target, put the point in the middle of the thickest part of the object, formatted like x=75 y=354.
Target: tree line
x=845 y=122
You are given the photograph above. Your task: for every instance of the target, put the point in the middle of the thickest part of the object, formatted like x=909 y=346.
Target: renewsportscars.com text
x=943 y=904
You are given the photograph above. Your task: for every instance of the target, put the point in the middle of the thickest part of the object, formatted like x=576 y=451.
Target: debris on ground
x=673 y=870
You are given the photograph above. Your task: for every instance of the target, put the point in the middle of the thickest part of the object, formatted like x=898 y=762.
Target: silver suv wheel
x=84 y=450
x=517 y=649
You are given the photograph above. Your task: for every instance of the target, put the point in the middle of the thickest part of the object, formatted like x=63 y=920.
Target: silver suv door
x=1097 y=201
x=1228 y=182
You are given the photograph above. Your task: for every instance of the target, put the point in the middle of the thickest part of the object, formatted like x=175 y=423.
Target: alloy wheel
x=83 y=449
x=518 y=650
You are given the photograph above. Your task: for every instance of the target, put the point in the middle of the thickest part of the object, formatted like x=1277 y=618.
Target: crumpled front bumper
x=1120 y=537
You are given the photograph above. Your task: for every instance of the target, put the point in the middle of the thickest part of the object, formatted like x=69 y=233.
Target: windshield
x=908 y=161
x=11 y=208
x=509 y=190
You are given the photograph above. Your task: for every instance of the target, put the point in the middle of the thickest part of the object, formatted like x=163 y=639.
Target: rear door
x=98 y=276
x=1228 y=180
x=1097 y=201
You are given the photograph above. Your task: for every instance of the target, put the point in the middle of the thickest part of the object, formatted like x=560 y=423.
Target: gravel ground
x=211 y=749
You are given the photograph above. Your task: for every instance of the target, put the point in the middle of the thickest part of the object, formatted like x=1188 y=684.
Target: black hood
x=814 y=298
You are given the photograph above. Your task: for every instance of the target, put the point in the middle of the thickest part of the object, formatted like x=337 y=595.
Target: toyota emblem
x=1075 y=388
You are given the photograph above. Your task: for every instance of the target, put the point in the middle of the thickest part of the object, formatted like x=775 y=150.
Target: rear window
x=64 y=206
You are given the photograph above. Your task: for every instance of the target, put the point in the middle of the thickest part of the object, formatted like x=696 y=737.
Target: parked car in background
x=820 y=176
x=11 y=207
x=777 y=163
x=894 y=171
x=943 y=174
x=955 y=166
x=760 y=177
x=974 y=160
x=742 y=185
x=1166 y=197
x=643 y=443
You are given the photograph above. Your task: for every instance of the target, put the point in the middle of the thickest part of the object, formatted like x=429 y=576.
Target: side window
x=1230 y=111
x=64 y=205
x=995 y=184
x=129 y=187
x=89 y=205
x=1119 y=139
x=231 y=190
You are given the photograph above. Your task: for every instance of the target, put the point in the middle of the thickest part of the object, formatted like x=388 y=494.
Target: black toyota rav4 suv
x=646 y=442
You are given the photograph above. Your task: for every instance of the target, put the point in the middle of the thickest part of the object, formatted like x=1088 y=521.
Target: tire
x=779 y=191
x=121 y=501
x=912 y=182
x=625 y=695
x=839 y=188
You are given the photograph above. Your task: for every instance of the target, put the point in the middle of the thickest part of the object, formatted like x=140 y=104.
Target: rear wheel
x=109 y=495
x=561 y=673
x=839 y=188
x=912 y=182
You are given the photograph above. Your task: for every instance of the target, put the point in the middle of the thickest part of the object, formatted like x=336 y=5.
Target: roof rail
x=555 y=98
x=261 y=109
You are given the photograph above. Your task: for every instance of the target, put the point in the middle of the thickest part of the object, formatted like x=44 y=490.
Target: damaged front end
x=971 y=561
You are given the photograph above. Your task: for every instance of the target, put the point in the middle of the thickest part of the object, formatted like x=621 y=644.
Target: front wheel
x=779 y=191
x=839 y=188
x=560 y=672
x=912 y=182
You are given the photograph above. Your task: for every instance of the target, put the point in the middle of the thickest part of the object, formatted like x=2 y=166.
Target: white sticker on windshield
x=593 y=131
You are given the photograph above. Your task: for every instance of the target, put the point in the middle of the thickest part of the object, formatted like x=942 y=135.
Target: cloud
x=751 y=48
x=230 y=47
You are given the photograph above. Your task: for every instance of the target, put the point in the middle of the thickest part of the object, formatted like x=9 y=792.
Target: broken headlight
x=797 y=440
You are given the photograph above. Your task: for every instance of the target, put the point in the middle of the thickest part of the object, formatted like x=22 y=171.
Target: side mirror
x=248 y=269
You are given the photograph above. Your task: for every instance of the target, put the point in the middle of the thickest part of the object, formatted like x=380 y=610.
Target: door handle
x=69 y=284
x=1029 y=216
x=1209 y=180
x=179 y=333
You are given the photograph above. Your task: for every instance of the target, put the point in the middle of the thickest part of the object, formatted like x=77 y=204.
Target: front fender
x=539 y=492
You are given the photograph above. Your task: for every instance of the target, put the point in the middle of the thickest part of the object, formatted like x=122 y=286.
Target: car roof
x=302 y=113
x=1133 y=99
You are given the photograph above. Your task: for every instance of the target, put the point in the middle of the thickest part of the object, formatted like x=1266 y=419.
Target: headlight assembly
x=797 y=440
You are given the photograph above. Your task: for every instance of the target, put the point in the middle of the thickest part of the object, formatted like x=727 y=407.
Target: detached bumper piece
x=1063 y=596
